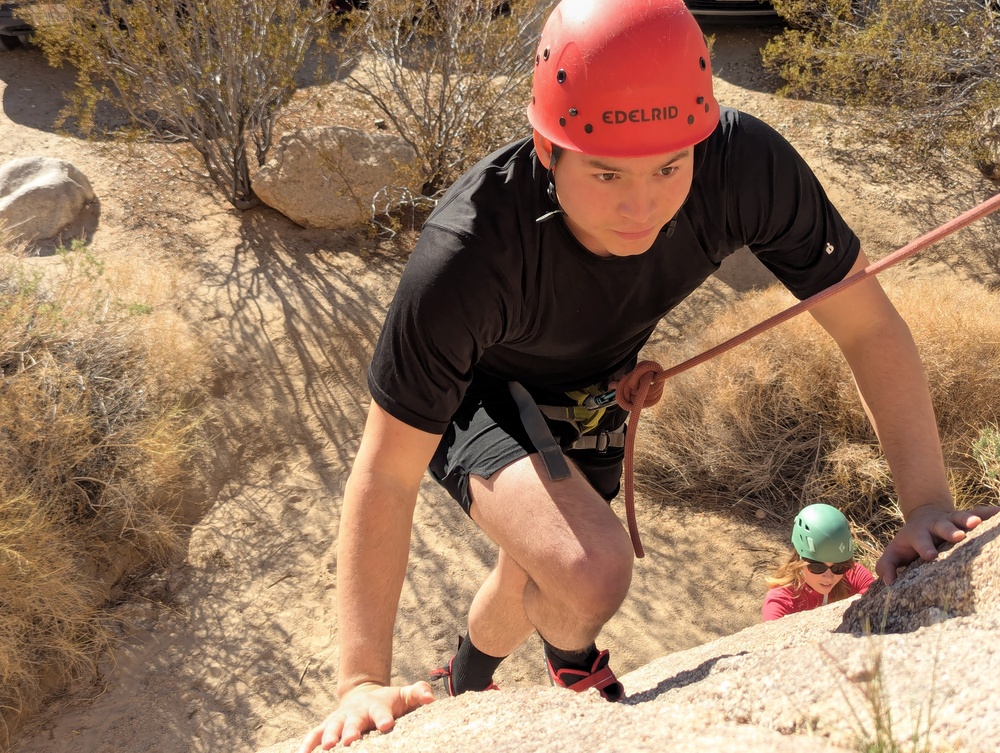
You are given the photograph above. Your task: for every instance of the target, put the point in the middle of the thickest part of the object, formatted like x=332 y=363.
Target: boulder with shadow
x=39 y=197
x=328 y=177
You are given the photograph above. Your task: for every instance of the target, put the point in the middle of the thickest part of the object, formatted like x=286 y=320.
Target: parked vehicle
x=732 y=10
x=13 y=31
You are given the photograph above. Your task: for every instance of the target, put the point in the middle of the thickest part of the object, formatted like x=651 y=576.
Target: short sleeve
x=784 y=214
x=777 y=603
x=448 y=308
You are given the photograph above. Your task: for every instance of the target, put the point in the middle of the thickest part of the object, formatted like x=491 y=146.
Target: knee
x=596 y=581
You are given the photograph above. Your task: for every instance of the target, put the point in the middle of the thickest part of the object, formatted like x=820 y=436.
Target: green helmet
x=821 y=533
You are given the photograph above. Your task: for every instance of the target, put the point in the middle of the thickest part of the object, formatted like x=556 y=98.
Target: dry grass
x=776 y=423
x=99 y=379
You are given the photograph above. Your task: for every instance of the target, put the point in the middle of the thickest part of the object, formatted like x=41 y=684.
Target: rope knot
x=640 y=388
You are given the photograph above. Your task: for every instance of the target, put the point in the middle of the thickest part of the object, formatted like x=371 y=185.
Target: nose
x=638 y=203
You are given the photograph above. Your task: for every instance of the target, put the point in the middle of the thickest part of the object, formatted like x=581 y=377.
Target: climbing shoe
x=446 y=674
x=599 y=676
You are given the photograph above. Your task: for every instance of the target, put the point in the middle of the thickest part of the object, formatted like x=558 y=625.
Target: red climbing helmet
x=628 y=78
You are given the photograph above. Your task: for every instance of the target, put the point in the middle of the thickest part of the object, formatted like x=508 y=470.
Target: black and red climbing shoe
x=600 y=676
x=445 y=673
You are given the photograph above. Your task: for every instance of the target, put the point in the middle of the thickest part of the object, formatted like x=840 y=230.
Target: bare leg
x=566 y=560
x=497 y=621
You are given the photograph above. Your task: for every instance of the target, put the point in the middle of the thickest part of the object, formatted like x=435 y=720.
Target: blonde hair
x=790 y=573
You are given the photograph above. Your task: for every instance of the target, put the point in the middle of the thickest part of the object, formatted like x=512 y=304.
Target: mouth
x=634 y=235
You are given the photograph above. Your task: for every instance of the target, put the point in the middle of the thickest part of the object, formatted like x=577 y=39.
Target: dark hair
x=556 y=154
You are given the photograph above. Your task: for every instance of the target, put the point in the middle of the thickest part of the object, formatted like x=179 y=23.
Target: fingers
x=911 y=542
x=885 y=570
x=311 y=740
x=922 y=539
x=402 y=701
x=966 y=520
x=984 y=512
x=376 y=709
x=352 y=731
x=416 y=695
x=321 y=734
x=917 y=537
x=383 y=718
x=894 y=557
x=969 y=519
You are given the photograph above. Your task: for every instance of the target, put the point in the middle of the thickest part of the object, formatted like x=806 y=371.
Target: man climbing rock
x=534 y=285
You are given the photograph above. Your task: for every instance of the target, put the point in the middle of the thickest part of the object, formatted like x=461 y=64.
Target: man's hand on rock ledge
x=363 y=709
x=924 y=529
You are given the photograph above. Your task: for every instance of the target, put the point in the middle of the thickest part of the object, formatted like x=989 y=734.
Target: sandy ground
x=235 y=647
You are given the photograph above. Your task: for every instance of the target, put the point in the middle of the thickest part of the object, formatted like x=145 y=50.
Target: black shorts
x=486 y=435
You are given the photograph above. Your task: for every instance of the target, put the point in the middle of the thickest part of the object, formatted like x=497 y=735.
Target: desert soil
x=235 y=646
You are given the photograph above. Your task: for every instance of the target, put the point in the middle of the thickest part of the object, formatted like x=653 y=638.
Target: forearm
x=893 y=387
x=372 y=552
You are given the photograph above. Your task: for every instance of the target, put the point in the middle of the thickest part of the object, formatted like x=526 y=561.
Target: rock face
x=964 y=581
x=813 y=681
x=327 y=177
x=39 y=196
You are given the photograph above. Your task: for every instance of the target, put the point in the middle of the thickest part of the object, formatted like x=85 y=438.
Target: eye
x=668 y=171
x=606 y=177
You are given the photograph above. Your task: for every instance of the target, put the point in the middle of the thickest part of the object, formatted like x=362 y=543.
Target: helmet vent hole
x=707 y=108
x=562 y=122
x=700 y=100
x=572 y=112
x=537 y=60
x=702 y=63
x=561 y=76
x=545 y=54
x=588 y=128
x=690 y=119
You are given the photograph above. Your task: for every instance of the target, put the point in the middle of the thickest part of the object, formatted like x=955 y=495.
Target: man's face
x=615 y=206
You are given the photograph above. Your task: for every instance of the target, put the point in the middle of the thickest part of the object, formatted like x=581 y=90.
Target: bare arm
x=880 y=350
x=890 y=377
x=372 y=553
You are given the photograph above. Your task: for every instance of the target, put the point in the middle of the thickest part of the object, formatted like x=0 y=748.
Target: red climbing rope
x=643 y=386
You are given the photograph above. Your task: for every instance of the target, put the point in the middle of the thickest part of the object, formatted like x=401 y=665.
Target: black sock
x=472 y=669
x=560 y=659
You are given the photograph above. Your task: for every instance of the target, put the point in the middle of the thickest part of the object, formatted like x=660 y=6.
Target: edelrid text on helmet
x=821 y=533
x=628 y=78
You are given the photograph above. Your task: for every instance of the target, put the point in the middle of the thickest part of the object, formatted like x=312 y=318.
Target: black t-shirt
x=490 y=294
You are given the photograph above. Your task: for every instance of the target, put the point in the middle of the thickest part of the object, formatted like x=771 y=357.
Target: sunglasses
x=838 y=568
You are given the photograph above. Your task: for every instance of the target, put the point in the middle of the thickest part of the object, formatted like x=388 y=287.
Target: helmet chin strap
x=671 y=226
x=551 y=193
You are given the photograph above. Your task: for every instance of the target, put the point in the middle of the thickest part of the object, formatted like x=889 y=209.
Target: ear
x=543 y=148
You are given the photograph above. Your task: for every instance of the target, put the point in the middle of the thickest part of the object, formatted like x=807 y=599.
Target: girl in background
x=821 y=570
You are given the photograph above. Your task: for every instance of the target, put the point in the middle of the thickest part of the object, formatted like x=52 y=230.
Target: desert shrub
x=451 y=77
x=924 y=75
x=99 y=382
x=986 y=451
x=49 y=627
x=776 y=423
x=213 y=73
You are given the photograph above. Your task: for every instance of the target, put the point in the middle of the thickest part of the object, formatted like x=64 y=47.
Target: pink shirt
x=788 y=599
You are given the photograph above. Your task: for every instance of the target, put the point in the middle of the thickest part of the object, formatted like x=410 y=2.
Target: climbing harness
x=584 y=417
x=643 y=386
